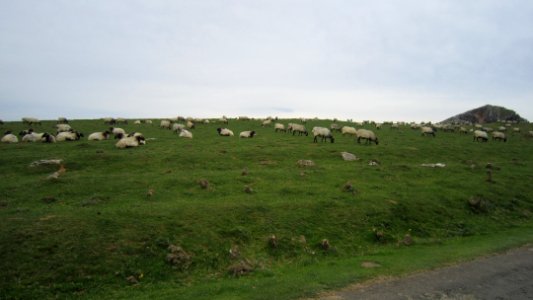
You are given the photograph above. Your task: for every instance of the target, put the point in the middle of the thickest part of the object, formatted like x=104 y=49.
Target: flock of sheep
x=64 y=132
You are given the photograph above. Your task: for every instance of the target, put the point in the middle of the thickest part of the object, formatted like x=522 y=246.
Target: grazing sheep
x=368 y=135
x=266 y=122
x=165 y=124
x=502 y=128
x=30 y=121
x=498 y=135
x=530 y=133
x=68 y=136
x=109 y=120
x=335 y=127
x=322 y=132
x=116 y=131
x=147 y=121
x=99 y=136
x=130 y=141
x=137 y=122
x=224 y=132
x=177 y=127
x=279 y=127
x=121 y=121
x=463 y=130
x=62 y=120
x=9 y=138
x=348 y=130
x=185 y=133
x=298 y=128
x=426 y=130
x=480 y=134
x=190 y=124
x=224 y=120
x=516 y=130
x=39 y=137
x=247 y=134
x=63 y=128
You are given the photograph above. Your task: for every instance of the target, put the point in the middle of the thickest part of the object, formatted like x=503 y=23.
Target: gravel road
x=503 y=276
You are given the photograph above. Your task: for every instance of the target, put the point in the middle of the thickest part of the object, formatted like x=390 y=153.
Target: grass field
x=95 y=233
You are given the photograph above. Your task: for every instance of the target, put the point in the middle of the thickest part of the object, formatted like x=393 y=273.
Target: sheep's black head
x=140 y=139
x=306 y=133
x=119 y=136
x=7 y=132
x=332 y=139
x=219 y=130
x=252 y=133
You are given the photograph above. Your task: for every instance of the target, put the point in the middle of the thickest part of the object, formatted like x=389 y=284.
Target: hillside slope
x=486 y=114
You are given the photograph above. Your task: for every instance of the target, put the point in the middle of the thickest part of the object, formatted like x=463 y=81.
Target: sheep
x=498 y=135
x=224 y=132
x=463 y=130
x=530 y=133
x=148 y=121
x=116 y=131
x=68 y=136
x=298 y=128
x=480 y=134
x=426 y=130
x=368 y=135
x=335 y=127
x=130 y=141
x=322 y=132
x=38 y=137
x=348 y=130
x=247 y=134
x=279 y=127
x=223 y=120
x=165 y=124
x=176 y=127
x=99 y=136
x=516 y=130
x=266 y=122
x=137 y=122
x=109 y=120
x=121 y=121
x=134 y=134
x=62 y=120
x=190 y=124
x=9 y=138
x=63 y=128
x=185 y=133
x=502 y=128
x=30 y=121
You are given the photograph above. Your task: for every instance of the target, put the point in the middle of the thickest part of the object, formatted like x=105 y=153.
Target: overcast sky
x=382 y=60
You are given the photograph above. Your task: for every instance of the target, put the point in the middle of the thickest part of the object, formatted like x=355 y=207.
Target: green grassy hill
x=96 y=233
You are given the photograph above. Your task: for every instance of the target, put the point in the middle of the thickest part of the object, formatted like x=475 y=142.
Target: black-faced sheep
x=9 y=138
x=247 y=134
x=62 y=120
x=117 y=131
x=367 y=135
x=335 y=127
x=165 y=124
x=98 y=136
x=480 y=135
x=130 y=141
x=348 y=130
x=498 y=135
x=298 y=128
x=279 y=127
x=31 y=121
x=323 y=133
x=426 y=130
x=68 y=136
x=63 y=128
x=224 y=132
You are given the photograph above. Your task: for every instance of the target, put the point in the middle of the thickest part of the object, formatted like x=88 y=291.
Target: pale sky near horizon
x=379 y=60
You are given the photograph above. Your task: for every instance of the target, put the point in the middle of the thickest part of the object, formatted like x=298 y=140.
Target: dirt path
x=504 y=276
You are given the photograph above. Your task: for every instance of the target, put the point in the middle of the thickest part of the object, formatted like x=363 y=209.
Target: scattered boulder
x=407 y=240
x=478 y=204
x=178 y=258
x=348 y=156
x=248 y=189
x=49 y=199
x=240 y=268
x=325 y=245
x=273 y=241
x=204 y=184
x=370 y=265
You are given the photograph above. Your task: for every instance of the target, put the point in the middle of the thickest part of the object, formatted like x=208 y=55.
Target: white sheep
x=530 y=133
x=30 y=121
x=98 y=136
x=335 y=127
x=190 y=124
x=9 y=138
x=247 y=134
x=298 y=128
x=516 y=130
x=63 y=128
x=266 y=122
x=480 y=134
x=224 y=132
x=498 y=135
x=68 y=136
x=185 y=133
x=130 y=141
x=348 y=130
x=148 y=121
x=62 y=120
x=109 y=120
x=137 y=122
x=322 y=132
x=279 y=127
x=368 y=135
x=33 y=137
x=426 y=130
x=176 y=127
x=116 y=131
x=121 y=121
x=165 y=124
